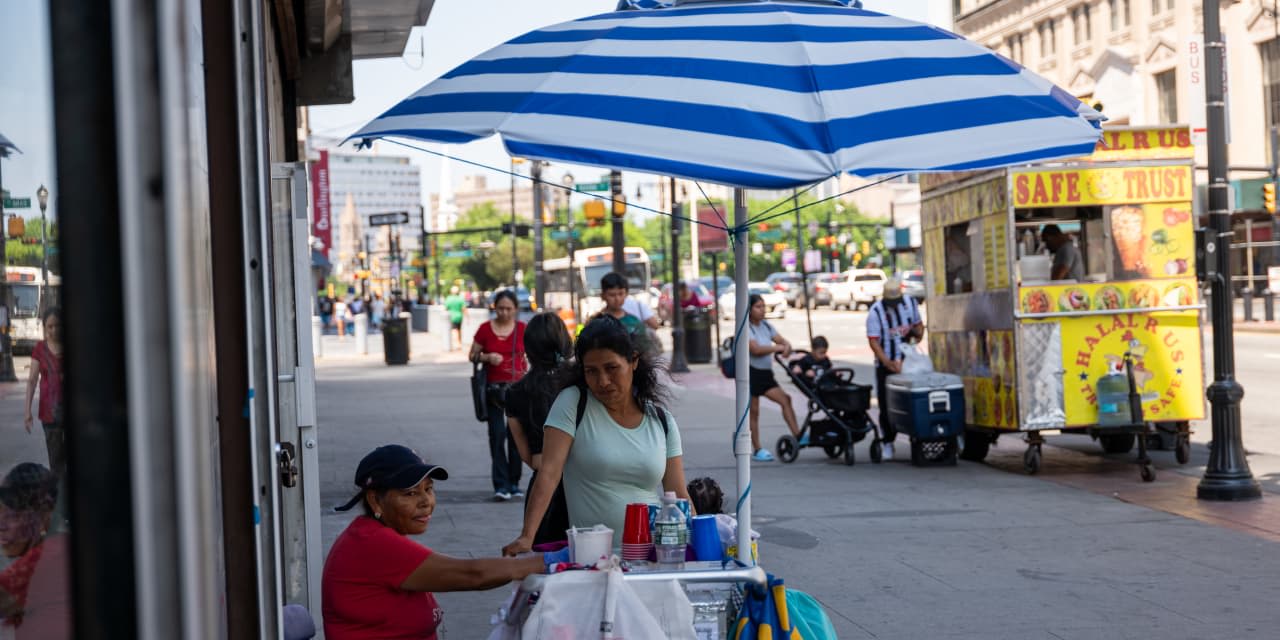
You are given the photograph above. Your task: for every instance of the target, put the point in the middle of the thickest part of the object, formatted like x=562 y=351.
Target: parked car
x=819 y=286
x=860 y=288
x=775 y=305
x=725 y=282
x=913 y=284
x=705 y=301
x=789 y=284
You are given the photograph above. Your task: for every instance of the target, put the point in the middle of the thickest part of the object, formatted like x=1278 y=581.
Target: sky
x=457 y=31
x=26 y=109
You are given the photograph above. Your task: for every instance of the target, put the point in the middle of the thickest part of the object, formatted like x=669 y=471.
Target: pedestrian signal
x=619 y=205
x=593 y=210
x=17 y=226
x=1269 y=197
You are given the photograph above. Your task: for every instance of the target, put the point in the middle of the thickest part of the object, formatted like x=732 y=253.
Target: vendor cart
x=1032 y=350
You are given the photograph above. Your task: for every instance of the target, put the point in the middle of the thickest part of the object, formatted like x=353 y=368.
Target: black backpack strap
x=661 y=415
x=582 y=406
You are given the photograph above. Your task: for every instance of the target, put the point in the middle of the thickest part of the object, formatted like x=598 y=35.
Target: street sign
x=564 y=235
x=462 y=253
x=381 y=219
x=591 y=186
x=770 y=235
x=17 y=203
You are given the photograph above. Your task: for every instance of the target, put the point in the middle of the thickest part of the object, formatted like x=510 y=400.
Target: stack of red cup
x=637 y=540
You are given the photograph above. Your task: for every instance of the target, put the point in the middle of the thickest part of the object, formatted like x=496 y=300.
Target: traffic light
x=1269 y=196
x=593 y=210
x=548 y=216
x=615 y=191
x=620 y=205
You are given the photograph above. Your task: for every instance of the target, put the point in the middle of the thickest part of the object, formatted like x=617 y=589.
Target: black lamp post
x=1227 y=476
x=42 y=195
x=567 y=181
x=7 y=373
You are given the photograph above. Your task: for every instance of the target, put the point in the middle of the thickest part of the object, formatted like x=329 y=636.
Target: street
x=1082 y=550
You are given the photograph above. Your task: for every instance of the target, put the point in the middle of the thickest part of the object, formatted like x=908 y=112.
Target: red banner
x=710 y=238
x=321 y=220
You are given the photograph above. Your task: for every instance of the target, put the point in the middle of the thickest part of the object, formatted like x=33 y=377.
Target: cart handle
x=534 y=583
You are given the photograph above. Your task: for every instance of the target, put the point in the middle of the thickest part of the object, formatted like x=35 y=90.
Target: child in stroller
x=812 y=365
x=837 y=407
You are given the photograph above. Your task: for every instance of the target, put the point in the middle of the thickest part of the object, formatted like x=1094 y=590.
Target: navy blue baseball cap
x=392 y=466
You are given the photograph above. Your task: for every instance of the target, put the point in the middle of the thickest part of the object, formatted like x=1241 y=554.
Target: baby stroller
x=837 y=416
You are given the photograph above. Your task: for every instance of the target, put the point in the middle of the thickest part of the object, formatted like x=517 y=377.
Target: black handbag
x=479 y=387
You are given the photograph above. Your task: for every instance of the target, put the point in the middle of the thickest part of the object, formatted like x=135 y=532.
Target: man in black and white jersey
x=892 y=323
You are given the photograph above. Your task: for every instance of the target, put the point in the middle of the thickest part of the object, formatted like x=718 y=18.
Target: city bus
x=582 y=284
x=28 y=298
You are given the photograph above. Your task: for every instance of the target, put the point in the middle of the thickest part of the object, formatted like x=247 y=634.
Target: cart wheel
x=877 y=451
x=974 y=445
x=833 y=451
x=1182 y=450
x=1031 y=460
x=1117 y=442
x=1148 y=473
x=787 y=448
x=848 y=455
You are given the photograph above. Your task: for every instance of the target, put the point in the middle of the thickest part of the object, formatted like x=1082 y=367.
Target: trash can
x=697 y=336
x=395 y=340
x=420 y=315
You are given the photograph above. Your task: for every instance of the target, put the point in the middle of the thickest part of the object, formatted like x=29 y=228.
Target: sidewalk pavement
x=1083 y=550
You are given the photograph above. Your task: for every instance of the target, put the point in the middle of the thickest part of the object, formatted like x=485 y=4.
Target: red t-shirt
x=39 y=583
x=513 y=364
x=50 y=382
x=360 y=592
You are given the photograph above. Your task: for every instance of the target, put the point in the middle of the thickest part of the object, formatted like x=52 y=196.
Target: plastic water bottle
x=1113 y=398
x=670 y=534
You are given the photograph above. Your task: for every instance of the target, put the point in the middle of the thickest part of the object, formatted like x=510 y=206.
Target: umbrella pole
x=742 y=389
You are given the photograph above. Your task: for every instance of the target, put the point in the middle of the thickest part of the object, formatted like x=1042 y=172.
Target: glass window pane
x=35 y=595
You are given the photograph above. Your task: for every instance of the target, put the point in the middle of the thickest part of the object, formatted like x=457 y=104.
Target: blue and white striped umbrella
x=756 y=94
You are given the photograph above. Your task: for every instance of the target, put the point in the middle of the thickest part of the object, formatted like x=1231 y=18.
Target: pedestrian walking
x=46 y=374
x=377 y=581
x=324 y=305
x=609 y=436
x=455 y=304
x=378 y=310
x=499 y=344
x=549 y=349
x=892 y=323
x=764 y=341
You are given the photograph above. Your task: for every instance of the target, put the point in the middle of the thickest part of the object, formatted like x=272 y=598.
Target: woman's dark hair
x=549 y=348
x=613 y=280
x=509 y=295
x=755 y=297
x=49 y=313
x=819 y=342
x=706 y=496
x=607 y=332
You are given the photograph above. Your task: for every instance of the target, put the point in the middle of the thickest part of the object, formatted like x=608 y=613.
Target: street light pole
x=7 y=373
x=539 y=280
x=1227 y=475
x=42 y=195
x=679 y=363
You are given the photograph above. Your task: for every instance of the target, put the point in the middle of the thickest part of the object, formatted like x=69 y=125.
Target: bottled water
x=670 y=535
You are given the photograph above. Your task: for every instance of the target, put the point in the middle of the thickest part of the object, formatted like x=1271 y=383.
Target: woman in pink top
x=46 y=371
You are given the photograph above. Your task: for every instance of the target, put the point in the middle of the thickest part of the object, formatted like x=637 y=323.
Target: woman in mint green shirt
x=626 y=447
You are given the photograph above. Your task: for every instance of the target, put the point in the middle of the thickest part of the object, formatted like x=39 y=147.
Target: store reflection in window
x=35 y=586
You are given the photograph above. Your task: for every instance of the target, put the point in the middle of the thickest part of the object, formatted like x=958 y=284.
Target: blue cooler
x=928 y=408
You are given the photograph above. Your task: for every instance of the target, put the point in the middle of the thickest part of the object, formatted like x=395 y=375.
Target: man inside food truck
x=1067 y=262
x=892 y=323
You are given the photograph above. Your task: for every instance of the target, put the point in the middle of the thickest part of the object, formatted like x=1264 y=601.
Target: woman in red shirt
x=377 y=582
x=499 y=344
x=46 y=373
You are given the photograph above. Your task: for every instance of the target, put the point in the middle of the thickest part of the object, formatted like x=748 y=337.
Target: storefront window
x=959 y=258
x=34 y=523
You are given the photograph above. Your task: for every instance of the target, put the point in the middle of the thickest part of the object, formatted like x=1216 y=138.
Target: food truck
x=1032 y=350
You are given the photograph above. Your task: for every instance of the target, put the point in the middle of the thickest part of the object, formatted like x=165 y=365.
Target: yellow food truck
x=1033 y=331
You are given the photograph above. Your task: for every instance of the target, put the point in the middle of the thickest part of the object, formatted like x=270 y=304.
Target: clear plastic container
x=1113 y=399
x=670 y=534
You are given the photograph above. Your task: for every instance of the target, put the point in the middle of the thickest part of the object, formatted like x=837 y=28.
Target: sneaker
x=886 y=451
x=763 y=455
x=517 y=493
x=803 y=441
x=501 y=496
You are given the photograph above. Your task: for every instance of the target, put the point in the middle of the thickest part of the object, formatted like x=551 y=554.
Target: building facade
x=474 y=191
x=378 y=184
x=1141 y=62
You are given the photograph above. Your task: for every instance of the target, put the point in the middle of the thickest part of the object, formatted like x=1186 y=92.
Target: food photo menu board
x=1108 y=296
x=1152 y=241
